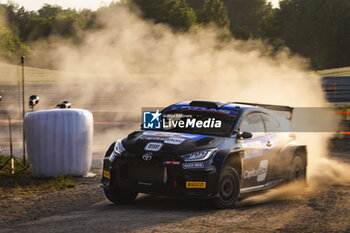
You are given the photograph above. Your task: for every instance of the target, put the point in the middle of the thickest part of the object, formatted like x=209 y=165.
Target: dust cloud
x=158 y=67
x=322 y=172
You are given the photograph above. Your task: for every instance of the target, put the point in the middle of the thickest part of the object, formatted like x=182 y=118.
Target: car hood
x=172 y=143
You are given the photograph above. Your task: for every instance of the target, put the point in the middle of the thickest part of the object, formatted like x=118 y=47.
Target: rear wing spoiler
x=280 y=109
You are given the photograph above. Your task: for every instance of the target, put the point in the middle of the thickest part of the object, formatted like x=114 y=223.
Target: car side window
x=271 y=123
x=253 y=123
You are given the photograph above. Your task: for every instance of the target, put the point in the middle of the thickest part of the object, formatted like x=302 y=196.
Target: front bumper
x=171 y=178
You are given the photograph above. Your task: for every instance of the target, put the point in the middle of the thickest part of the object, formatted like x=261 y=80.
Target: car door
x=256 y=156
x=280 y=139
x=271 y=148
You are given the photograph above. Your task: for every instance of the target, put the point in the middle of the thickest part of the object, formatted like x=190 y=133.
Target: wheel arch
x=110 y=150
x=288 y=154
x=234 y=159
x=289 y=151
x=301 y=150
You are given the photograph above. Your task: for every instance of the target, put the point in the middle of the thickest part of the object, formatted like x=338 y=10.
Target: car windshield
x=199 y=120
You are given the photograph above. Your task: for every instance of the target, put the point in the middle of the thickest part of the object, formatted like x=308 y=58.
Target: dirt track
x=327 y=212
x=84 y=209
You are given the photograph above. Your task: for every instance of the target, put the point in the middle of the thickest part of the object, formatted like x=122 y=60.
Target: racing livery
x=214 y=150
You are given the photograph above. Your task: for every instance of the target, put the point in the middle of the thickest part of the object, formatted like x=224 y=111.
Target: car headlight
x=199 y=155
x=119 y=148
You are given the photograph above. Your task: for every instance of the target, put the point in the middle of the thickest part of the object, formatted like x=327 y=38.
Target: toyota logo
x=147 y=157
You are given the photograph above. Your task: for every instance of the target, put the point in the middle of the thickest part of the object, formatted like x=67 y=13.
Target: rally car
x=213 y=150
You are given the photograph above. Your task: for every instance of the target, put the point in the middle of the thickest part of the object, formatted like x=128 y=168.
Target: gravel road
x=326 y=212
x=84 y=209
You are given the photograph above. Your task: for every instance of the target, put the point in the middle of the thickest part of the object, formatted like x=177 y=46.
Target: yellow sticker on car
x=107 y=174
x=195 y=185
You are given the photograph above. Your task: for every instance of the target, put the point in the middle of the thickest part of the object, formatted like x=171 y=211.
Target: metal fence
x=337 y=89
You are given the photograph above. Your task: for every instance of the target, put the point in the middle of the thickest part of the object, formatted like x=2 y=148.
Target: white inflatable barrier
x=59 y=141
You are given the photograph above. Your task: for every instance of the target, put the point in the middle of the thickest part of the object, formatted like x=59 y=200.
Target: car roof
x=275 y=110
x=220 y=105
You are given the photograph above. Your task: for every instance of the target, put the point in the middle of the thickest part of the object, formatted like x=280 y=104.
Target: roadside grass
x=343 y=107
x=12 y=75
x=22 y=184
x=345 y=71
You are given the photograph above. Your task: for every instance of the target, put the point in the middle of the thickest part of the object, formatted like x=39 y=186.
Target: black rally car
x=205 y=149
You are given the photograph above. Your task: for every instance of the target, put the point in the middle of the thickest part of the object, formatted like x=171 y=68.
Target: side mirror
x=244 y=135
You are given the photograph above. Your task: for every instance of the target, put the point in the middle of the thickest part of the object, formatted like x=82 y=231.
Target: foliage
x=319 y=30
x=23 y=184
x=50 y=20
x=316 y=29
x=10 y=44
x=246 y=16
x=213 y=11
x=175 y=13
x=6 y=171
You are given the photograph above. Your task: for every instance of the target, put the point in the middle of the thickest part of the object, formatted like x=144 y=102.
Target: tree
x=319 y=30
x=49 y=11
x=53 y=20
x=213 y=11
x=195 y=4
x=246 y=16
x=175 y=13
x=10 y=44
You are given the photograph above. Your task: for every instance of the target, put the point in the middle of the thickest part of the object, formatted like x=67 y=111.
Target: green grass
x=22 y=184
x=12 y=74
x=17 y=167
x=345 y=71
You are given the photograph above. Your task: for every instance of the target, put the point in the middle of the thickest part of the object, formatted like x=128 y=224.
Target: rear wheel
x=298 y=169
x=228 y=189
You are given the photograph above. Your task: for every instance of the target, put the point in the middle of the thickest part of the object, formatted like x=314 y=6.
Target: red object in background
x=171 y=163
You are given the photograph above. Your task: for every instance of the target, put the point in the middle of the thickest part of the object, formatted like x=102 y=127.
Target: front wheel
x=115 y=194
x=228 y=189
x=119 y=196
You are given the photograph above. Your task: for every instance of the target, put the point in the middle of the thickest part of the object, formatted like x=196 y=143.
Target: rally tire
x=119 y=196
x=297 y=169
x=228 y=189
